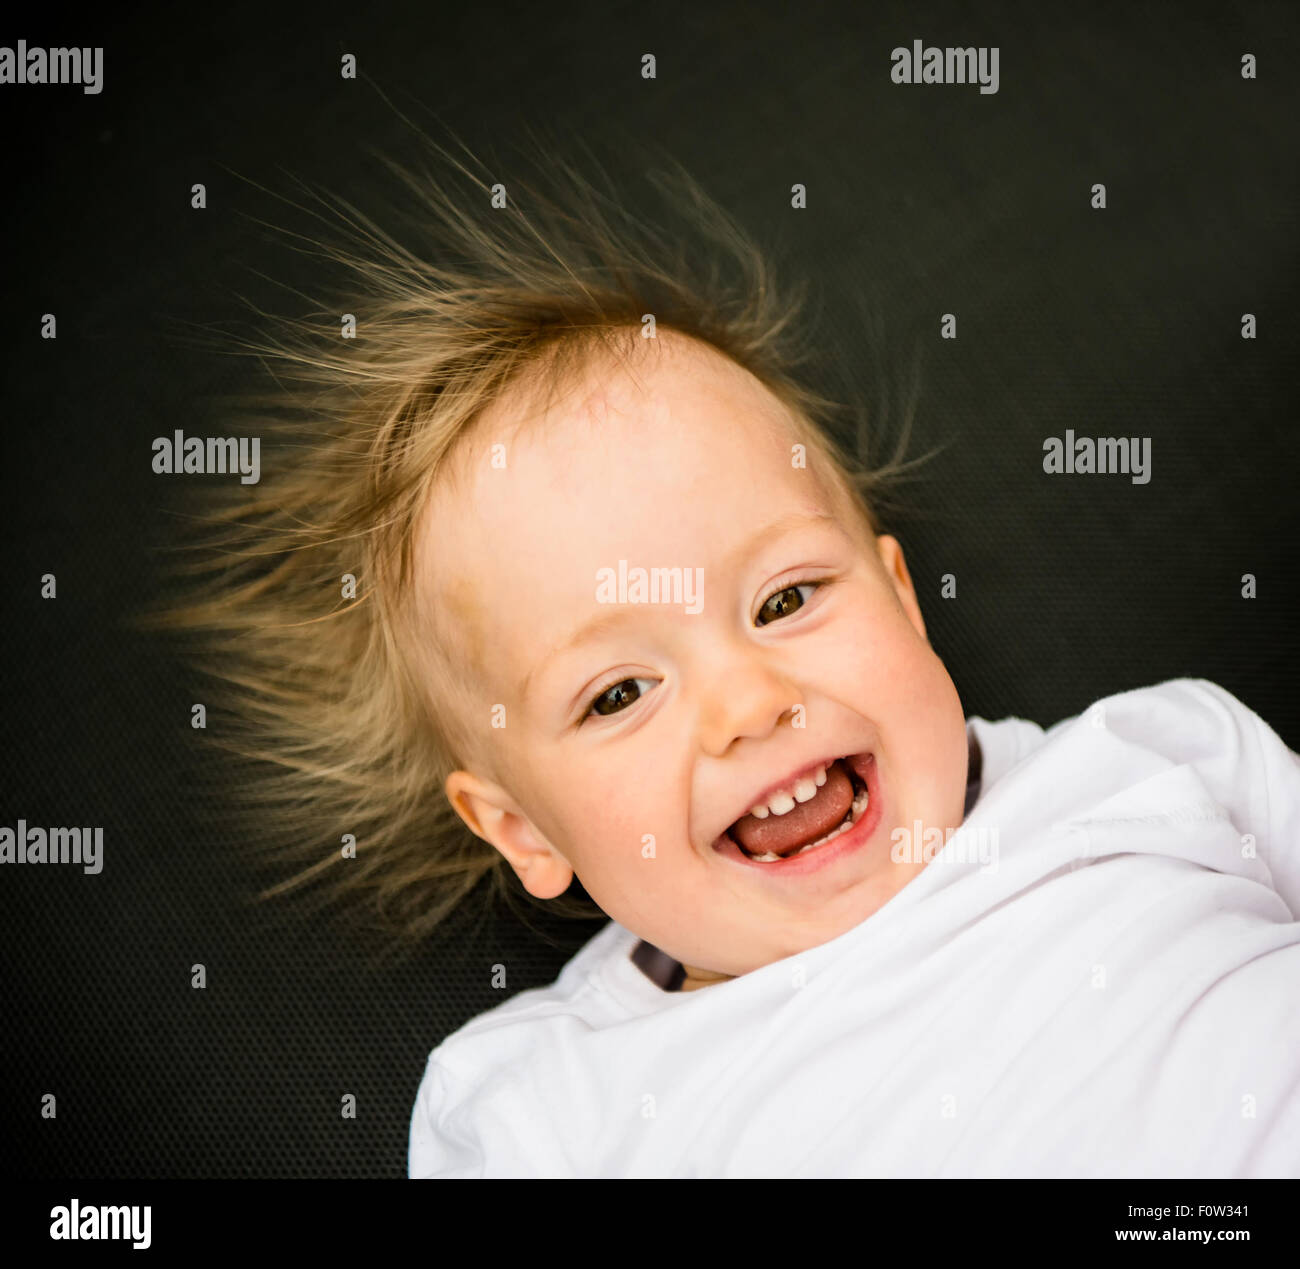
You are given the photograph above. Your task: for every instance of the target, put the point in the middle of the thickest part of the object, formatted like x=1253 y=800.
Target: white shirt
x=1119 y=996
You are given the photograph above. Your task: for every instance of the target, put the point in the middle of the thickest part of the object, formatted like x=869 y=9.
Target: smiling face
x=636 y=735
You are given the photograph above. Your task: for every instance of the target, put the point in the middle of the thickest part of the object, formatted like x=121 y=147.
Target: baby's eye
x=784 y=602
x=615 y=699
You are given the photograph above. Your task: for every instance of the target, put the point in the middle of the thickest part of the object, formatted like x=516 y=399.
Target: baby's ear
x=891 y=556
x=490 y=813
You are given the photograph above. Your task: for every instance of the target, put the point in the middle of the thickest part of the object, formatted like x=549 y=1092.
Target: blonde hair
x=323 y=703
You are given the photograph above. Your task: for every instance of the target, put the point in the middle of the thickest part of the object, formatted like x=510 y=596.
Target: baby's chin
x=776 y=940
x=861 y=904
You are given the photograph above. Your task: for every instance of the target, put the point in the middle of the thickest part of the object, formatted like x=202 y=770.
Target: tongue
x=782 y=834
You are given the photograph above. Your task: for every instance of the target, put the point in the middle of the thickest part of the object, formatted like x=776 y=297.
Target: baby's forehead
x=667 y=455
x=601 y=439
x=587 y=393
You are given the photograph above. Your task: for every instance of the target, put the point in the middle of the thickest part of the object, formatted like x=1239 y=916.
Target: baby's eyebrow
x=600 y=623
x=588 y=630
x=786 y=524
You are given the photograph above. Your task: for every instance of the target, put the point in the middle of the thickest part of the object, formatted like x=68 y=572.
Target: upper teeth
x=784 y=800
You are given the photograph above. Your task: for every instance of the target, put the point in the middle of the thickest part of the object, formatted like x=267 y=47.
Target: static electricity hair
x=319 y=695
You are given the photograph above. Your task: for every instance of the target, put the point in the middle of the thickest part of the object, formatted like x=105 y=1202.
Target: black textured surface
x=925 y=199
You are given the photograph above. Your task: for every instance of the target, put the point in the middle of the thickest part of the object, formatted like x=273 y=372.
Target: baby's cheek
x=910 y=664
x=619 y=828
x=939 y=744
x=901 y=679
x=907 y=691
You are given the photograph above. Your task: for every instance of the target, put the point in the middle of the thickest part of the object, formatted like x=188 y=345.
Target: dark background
x=922 y=199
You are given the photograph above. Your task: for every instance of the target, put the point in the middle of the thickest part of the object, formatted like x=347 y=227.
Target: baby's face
x=637 y=736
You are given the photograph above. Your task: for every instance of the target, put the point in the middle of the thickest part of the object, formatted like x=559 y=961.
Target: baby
x=751 y=794
x=622 y=606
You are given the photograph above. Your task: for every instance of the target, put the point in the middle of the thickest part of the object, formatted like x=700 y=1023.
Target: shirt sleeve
x=440 y=1146
x=1246 y=767
x=1280 y=846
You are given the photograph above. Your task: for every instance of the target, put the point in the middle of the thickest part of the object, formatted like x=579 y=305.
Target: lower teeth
x=859 y=805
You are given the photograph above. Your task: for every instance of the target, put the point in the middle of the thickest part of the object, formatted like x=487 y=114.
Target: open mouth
x=784 y=830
